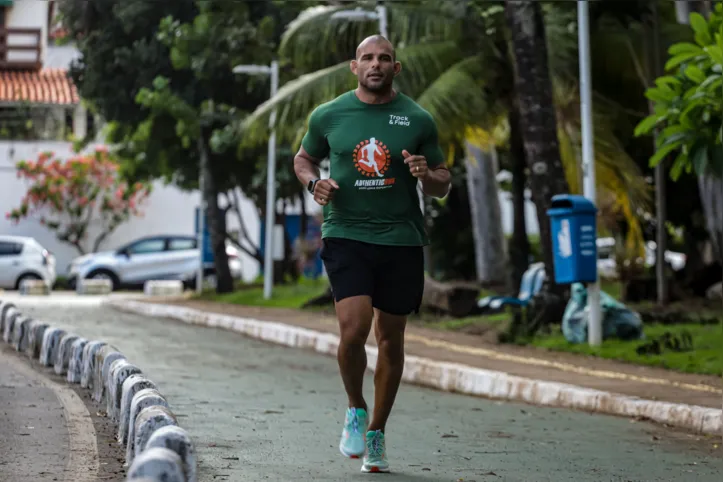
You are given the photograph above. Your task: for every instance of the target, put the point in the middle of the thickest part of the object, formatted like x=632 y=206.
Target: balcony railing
x=20 y=48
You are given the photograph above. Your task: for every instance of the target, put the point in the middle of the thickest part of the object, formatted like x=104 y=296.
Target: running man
x=373 y=232
x=370 y=152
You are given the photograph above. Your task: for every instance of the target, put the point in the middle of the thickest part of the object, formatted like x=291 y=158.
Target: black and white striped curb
x=156 y=448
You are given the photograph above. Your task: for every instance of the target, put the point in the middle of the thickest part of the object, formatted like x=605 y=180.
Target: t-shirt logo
x=371 y=158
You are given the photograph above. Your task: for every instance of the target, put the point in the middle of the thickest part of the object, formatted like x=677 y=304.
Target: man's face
x=375 y=66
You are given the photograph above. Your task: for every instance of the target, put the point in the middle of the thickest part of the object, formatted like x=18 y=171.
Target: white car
x=152 y=258
x=23 y=258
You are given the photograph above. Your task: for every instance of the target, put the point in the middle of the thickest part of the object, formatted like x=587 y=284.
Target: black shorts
x=393 y=276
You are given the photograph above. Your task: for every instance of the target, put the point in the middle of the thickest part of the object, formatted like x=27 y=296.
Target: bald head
x=375 y=64
x=376 y=41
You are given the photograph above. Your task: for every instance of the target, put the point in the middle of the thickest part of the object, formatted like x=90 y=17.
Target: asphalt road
x=263 y=412
x=33 y=435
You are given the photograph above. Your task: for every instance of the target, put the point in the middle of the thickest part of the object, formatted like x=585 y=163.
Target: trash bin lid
x=571 y=204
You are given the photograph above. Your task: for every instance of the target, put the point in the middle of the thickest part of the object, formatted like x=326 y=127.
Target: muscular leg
x=389 y=331
x=355 y=321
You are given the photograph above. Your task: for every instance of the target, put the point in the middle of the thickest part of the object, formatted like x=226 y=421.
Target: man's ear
x=353 y=66
x=397 y=68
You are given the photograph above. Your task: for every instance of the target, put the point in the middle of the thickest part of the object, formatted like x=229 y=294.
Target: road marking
x=567 y=367
x=83 y=458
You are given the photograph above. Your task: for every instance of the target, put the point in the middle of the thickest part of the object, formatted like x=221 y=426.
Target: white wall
x=60 y=56
x=168 y=210
x=27 y=14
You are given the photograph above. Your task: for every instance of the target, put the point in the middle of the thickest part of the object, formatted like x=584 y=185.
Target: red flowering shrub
x=71 y=196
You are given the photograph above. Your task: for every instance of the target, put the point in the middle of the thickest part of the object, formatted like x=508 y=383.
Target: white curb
x=175 y=438
x=115 y=385
x=131 y=385
x=62 y=359
x=35 y=341
x=163 y=288
x=34 y=287
x=147 y=397
x=452 y=376
x=76 y=360
x=157 y=463
x=148 y=421
x=101 y=368
x=94 y=287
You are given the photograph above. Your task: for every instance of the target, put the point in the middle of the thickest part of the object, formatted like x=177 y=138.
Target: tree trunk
x=682 y=11
x=484 y=206
x=538 y=120
x=215 y=217
x=652 y=27
x=711 y=197
x=520 y=246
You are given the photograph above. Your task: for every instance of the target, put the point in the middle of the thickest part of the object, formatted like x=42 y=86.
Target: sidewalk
x=534 y=366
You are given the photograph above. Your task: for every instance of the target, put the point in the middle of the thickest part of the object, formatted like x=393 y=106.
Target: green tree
x=220 y=37
x=688 y=115
x=182 y=72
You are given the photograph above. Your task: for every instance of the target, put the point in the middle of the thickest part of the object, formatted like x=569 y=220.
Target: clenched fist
x=324 y=191
x=417 y=164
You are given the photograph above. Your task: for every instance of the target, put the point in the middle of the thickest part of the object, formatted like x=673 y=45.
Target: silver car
x=151 y=258
x=23 y=258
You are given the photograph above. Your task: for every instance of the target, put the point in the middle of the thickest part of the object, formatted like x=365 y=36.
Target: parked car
x=23 y=258
x=150 y=258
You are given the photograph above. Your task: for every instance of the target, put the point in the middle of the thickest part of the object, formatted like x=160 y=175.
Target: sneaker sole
x=375 y=470
x=349 y=456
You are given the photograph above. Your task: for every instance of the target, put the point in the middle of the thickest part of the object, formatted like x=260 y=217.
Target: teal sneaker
x=352 y=443
x=375 y=459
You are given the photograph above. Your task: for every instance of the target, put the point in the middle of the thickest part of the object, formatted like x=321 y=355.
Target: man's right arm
x=306 y=167
x=314 y=147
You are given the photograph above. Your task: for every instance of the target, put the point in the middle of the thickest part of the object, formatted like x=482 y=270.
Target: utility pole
x=588 y=157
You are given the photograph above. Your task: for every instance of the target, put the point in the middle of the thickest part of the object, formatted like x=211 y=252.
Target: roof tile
x=46 y=86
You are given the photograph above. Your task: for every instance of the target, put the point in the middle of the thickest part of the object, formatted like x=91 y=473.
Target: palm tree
x=457 y=66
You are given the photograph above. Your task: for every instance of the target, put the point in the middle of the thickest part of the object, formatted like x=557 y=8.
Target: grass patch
x=461 y=324
x=706 y=357
x=282 y=296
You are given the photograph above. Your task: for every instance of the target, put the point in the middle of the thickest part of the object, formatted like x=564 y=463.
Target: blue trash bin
x=574 y=239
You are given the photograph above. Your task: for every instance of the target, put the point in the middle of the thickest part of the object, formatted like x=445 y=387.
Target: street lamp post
x=273 y=71
x=588 y=160
x=356 y=15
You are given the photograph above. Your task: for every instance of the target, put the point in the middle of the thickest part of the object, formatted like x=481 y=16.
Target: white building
x=35 y=86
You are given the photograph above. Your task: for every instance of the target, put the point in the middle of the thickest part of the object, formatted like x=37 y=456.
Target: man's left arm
x=428 y=164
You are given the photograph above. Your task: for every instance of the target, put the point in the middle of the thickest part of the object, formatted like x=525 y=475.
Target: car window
x=147 y=246
x=180 y=244
x=10 y=249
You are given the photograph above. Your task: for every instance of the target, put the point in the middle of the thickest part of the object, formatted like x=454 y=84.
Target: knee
x=353 y=332
x=355 y=320
x=391 y=345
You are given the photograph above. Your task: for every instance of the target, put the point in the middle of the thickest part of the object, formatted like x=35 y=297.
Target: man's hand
x=417 y=164
x=324 y=191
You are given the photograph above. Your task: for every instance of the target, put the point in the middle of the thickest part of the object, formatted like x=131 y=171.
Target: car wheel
x=28 y=276
x=104 y=274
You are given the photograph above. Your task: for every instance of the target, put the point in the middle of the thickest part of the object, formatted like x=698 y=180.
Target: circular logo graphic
x=371 y=158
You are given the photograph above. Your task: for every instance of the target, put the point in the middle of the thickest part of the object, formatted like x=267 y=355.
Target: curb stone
x=102 y=369
x=453 y=377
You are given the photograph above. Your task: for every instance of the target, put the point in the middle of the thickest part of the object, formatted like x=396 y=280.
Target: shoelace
x=374 y=446
x=354 y=423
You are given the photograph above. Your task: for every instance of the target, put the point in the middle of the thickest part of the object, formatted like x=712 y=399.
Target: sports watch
x=312 y=185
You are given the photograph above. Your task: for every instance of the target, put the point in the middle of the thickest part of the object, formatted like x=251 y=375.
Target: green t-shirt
x=377 y=200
